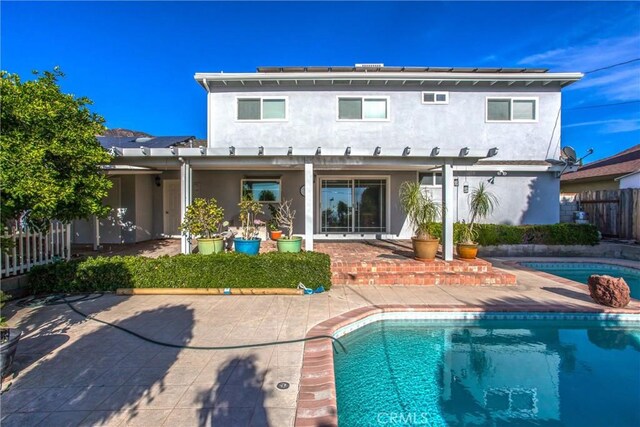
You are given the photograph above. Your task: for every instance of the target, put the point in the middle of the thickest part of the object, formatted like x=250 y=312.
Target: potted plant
x=285 y=217
x=422 y=211
x=249 y=242
x=9 y=338
x=203 y=219
x=274 y=230
x=482 y=202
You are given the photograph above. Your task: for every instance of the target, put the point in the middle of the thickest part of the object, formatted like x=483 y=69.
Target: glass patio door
x=353 y=205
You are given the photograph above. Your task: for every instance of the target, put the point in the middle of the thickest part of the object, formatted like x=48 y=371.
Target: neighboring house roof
x=151 y=142
x=612 y=167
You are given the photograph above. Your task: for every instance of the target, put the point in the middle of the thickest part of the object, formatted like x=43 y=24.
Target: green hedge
x=554 y=234
x=228 y=270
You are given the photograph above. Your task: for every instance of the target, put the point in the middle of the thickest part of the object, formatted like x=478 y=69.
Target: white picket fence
x=35 y=248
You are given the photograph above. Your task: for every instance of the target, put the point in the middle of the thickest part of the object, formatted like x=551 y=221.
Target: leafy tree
x=49 y=156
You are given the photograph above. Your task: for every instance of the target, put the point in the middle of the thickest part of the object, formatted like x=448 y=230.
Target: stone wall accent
x=568 y=205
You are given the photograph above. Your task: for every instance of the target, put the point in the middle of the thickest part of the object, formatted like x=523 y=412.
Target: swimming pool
x=580 y=272
x=489 y=372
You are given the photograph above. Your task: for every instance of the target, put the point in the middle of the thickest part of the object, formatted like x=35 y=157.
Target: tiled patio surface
x=73 y=371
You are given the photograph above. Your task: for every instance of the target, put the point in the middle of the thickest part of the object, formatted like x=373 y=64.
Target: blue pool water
x=580 y=272
x=489 y=373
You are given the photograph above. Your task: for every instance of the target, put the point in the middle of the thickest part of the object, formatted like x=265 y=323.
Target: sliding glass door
x=353 y=205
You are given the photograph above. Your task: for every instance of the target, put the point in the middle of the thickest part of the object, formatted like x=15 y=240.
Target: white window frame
x=511 y=98
x=262 y=98
x=279 y=180
x=435 y=94
x=363 y=99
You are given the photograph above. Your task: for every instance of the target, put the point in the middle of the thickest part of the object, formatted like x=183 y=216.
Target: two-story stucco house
x=339 y=141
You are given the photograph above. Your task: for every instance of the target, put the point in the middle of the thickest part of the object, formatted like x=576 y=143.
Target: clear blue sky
x=137 y=60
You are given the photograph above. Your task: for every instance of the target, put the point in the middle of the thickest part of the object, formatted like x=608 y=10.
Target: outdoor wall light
x=493 y=152
x=113 y=151
x=203 y=150
x=290 y=151
x=158 y=181
x=407 y=151
x=464 y=152
x=145 y=150
x=318 y=151
x=465 y=188
x=456 y=182
x=492 y=180
x=261 y=151
x=377 y=151
x=173 y=150
x=347 y=152
x=435 y=151
x=232 y=151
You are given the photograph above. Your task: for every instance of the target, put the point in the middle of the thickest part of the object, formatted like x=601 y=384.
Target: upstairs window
x=435 y=97
x=512 y=109
x=266 y=109
x=363 y=108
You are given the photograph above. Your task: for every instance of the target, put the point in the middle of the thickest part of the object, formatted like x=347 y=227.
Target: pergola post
x=186 y=175
x=308 y=206
x=96 y=233
x=447 y=211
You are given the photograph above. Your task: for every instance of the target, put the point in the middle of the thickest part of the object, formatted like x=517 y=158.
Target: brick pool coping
x=317 y=399
x=559 y=279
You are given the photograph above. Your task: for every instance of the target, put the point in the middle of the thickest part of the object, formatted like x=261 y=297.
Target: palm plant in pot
x=482 y=203
x=249 y=242
x=285 y=216
x=203 y=219
x=422 y=211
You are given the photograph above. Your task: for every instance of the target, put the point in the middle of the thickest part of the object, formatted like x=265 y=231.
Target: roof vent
x=370 y=66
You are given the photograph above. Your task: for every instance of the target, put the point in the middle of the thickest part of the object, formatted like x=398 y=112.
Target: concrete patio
x=73 y=371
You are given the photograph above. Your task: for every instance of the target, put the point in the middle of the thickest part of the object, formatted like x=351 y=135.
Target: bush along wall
x=226 y=270
x=553 y=234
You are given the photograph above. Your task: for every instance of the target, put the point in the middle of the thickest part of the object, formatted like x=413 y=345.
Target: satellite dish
x=570 y=154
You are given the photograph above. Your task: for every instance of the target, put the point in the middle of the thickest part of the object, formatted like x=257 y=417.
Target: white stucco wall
x=630 y=181
x=312 y=121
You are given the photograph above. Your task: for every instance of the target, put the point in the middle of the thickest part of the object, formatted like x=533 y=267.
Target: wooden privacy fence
x=28 y=248
x=616 y=213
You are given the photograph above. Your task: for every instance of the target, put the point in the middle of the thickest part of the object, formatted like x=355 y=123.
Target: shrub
x=553 y=234
x=224 y=270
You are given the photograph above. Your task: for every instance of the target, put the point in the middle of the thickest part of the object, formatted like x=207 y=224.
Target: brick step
x=429 y=278
x=411 y=266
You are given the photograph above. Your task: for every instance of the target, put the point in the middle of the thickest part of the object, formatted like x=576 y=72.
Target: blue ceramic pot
x=249 y=247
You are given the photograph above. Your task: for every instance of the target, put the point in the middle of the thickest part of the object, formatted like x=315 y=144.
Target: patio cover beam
x=447 y=211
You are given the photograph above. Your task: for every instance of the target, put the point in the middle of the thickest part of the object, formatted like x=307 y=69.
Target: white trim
x=318 y=189
x=363 y=98
x=383 y=77
x=511 y=98
x=435 y=95
x=627 y=175
x=262 y=99
x=279 y=180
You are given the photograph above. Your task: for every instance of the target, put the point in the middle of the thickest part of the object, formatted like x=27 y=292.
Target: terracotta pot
x=467 y=251
x=275 y=234
x=425 y=249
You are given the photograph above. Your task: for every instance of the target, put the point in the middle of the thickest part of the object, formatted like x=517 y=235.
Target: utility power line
x=612 y=66
x=603 y=105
